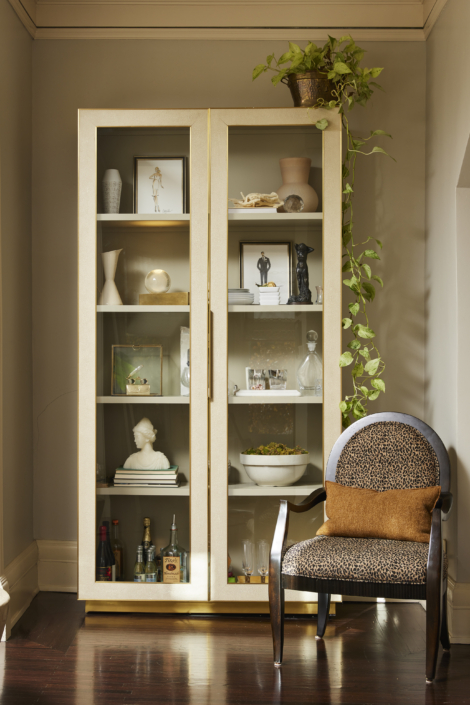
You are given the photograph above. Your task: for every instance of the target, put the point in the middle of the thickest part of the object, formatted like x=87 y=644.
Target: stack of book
x=126 y=477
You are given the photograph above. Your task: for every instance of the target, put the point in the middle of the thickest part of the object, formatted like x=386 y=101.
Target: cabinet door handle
x=209 y=356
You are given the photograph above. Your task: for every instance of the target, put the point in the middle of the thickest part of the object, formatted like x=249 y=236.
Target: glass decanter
x=310 y=372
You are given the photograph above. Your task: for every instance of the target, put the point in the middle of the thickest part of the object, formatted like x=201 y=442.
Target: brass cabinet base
x=198 y=607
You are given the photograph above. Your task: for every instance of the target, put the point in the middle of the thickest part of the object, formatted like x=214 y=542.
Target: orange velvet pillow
x=402 y=515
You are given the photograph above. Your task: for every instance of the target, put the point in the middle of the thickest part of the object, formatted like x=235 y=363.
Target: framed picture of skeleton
x=159 y=185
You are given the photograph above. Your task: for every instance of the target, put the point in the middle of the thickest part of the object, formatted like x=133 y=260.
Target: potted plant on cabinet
x=275 y=465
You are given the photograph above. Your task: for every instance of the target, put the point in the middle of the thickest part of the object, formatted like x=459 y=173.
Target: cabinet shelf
x=150 y=220
x=250 y=490
x=181 y=491
x=275 y=400
x=142 y=400
x=281 y=308
x=275 y=217
x=142 y=309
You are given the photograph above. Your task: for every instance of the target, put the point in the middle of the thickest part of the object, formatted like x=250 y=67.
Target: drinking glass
x=247 y=559
x=263 y=559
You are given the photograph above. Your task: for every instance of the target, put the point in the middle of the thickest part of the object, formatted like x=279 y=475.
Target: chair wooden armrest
x=444 y=503
x=282 y=526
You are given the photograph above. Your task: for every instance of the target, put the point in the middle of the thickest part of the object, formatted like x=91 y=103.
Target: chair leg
x=276 y=609
x=323 y=612
x=433 y=610
x=445 y=641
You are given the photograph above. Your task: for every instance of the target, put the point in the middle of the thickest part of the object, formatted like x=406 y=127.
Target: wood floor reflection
x=371 y=654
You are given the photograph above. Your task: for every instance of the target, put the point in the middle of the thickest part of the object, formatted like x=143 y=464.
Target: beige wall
x=110 y=74
x=447 y=260
x=16 y=275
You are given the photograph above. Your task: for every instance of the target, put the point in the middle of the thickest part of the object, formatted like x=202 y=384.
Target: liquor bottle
x=116 y=546
x=147 y=539
x=174 y=559
x=151 y=567
x=103 y=559
x=139 y=568
x=310 y=372
x=110 y=550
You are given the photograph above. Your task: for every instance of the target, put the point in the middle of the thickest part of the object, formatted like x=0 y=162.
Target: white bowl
x=274 y=470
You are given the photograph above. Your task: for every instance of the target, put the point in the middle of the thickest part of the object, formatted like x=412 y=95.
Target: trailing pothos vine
x=352 y=85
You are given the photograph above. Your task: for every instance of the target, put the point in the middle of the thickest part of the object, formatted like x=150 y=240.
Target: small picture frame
x=126 y=359
x=159 y=185
x=262 y=262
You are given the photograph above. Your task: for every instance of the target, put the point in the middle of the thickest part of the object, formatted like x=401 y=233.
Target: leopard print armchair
x=380 y=452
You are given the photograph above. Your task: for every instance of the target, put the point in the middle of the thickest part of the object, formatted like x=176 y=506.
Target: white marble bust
x=147 y=458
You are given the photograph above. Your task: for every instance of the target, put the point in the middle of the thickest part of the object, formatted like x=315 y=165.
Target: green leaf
x=322 y=124
x=347 y=266
x=295 y=49
x=354 y=308
x=373 y=395
x=343 y=407
x=372 y=366
x=277 y=79
x=332 y=75
x=365 y=353
x=365 y=391
x=369 y=289
x=382 y=151
x=378 y=279
x=354 y=345
x=341 y=68
x=348 y=189
x=346 y=238
x=288 y=56
x=269 y=59
x=371 y=254
x=367 y=270
x=375 y=72
x=364 y=331
x=346 y=323
x=378 y=384
x=346 y=421
x=358 y=411
x=358 y=370
x=258 y=70
x=380 y=132
x=345 y=359
x=378 y=243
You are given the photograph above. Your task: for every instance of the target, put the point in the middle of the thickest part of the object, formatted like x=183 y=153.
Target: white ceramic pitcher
x=110 y=294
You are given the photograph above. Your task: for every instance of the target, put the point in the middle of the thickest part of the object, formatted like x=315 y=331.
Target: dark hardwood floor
x=371 y=654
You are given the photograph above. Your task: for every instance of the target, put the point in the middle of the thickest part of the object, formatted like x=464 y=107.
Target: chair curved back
x=389 y=451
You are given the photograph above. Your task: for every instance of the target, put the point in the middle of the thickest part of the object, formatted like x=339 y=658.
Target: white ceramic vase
x=112 y=186
x=274 y=470
x=110 y=294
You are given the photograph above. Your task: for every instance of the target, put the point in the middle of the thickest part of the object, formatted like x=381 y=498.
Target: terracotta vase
x=296 y=192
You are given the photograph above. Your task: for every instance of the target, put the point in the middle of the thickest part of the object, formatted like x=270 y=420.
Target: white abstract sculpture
x=147 y=458
x=110 y=294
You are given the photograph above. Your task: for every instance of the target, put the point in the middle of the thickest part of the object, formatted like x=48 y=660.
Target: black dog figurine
x=305 y=295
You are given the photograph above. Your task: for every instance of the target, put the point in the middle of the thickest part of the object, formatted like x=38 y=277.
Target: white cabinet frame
x=89 y=122
x=221 y=120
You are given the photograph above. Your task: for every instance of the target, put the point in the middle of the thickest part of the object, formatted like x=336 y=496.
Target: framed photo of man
x=264 y=262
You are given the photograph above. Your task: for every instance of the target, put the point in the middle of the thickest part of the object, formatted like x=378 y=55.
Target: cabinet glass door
x=275 y=376
x=143 y=355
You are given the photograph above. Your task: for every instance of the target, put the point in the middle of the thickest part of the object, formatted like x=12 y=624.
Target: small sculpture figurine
x=305 y=295
x=258 y=200
x=147 y=458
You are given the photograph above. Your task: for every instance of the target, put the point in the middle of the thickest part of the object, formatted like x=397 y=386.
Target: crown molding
x=227 y=34
x=225 y=20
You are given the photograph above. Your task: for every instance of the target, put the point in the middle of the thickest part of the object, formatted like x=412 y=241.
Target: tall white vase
x=112 y=186
x=110 y=294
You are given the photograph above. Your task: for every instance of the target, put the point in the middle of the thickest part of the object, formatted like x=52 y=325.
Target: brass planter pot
x=306 y=88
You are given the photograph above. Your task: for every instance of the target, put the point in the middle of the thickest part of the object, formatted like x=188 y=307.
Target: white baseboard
x=22 y=578
x=458 y=610
x=57 y=568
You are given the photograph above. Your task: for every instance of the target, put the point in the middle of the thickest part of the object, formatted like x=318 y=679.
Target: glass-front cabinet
x=275 y=300
x=209 y=337
x=143 y=355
